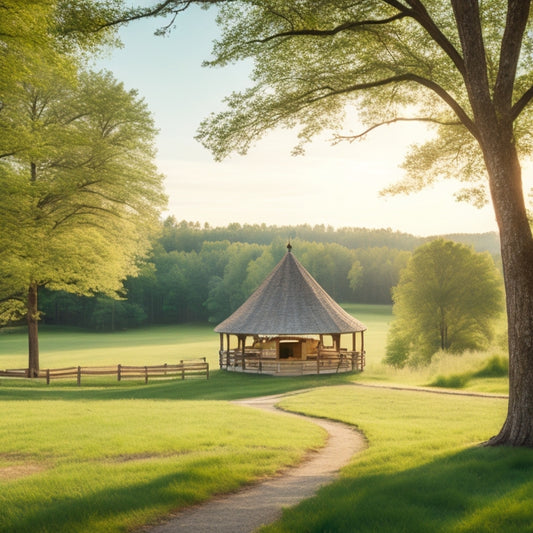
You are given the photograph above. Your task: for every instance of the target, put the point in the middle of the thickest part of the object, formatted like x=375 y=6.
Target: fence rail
x=191 y=368
x=326 y=363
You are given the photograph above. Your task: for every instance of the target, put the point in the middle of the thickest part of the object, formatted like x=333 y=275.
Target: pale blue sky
x=332 y=185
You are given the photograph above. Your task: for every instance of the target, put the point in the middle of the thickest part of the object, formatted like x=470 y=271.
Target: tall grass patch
x=424 y=469
x=483 y=372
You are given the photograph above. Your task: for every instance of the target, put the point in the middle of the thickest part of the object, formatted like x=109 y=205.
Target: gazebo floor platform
x=252 y=364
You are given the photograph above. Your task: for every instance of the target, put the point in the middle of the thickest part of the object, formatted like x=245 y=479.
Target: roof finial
x=289 y=246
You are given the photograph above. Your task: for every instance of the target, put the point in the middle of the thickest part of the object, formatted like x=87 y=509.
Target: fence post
x=182 y=370
x=48 y=376
x=145 y=374
x=165 y=371
x=79 y=376
x=206 y=370
x=119 y=372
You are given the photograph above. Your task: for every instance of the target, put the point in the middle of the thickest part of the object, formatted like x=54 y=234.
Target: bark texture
x=32 y=318
x=494 y=117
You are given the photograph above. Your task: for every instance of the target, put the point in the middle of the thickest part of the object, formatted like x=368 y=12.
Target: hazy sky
x=332 y=185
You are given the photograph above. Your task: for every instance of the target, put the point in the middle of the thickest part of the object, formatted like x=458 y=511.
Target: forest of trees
x=203 y=273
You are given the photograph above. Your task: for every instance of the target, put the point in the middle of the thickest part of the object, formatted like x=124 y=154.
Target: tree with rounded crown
x=80 y=191
x=447 y=299
x=463 y=67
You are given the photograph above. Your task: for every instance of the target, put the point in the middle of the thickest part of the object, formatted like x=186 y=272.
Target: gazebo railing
x=264 y=362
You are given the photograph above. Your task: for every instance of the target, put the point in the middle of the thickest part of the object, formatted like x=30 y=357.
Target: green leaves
x=87 y=188
x=81 y=193
x=446 y=299
x=391 y=61
x=312 y=60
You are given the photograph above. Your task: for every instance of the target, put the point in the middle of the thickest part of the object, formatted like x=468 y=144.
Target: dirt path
x=246 y=510
x=430 y=390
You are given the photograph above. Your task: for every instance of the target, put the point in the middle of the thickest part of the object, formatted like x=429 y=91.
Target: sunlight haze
x=331 y=185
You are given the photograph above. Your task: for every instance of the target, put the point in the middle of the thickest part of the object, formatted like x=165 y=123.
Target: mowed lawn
x=82 y=465
x=61 y=347
x=110 y=456
x=424 y=469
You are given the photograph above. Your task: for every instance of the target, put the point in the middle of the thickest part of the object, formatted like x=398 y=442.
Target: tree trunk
x=493 y=118
x=517 y=259
x=33 y=333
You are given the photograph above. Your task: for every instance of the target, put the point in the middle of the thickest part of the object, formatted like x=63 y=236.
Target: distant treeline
x=201 y=273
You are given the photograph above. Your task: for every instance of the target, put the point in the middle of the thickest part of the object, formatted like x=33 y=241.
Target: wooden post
x=119 y=372
x=182 y=370
x=362 y=365
x=145 y=374
x=48 y=376
x=362 y=352
x=79 y=376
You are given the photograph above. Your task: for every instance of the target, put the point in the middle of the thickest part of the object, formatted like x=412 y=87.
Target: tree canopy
x=392 y=61
x=189 y=266
x=446 y=299
x=81 y=193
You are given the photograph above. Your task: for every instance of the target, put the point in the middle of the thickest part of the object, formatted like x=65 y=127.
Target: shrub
x=453 y=381
x=496 y=367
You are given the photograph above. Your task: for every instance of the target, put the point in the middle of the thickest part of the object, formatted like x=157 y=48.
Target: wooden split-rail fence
x=191 y=368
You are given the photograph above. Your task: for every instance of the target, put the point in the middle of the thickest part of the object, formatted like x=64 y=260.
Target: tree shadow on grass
x=477 y=490
x=221 y=385
x=119 y=508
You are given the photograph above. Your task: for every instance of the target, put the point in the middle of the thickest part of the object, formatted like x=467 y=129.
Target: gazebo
x=291 y=326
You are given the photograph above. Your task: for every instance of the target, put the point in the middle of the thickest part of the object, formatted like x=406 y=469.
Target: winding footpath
x=248 y=509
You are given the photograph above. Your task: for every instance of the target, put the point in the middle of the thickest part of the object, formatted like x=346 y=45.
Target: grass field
x=423 y=470
x=81 y=465
x=61 y=347
x=110 y=457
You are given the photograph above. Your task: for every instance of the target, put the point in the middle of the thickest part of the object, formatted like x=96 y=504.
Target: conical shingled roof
x=290 y=302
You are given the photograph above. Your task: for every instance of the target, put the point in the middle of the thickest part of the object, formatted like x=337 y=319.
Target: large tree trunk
x=32 y=317
x=517 y=258
x=493 y=120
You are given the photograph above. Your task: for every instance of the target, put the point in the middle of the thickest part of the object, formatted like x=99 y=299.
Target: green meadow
x=112 y=457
